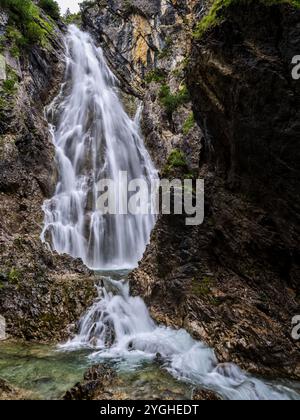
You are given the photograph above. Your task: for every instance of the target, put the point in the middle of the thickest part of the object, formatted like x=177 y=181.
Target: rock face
x=244 y=97
x=38 y=295
x=234 y=281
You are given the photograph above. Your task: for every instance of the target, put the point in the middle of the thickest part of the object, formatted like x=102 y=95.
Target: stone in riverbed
x=7 y=392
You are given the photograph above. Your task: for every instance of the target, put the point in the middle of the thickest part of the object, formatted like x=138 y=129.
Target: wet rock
x=97 y=380
x=7 y=392
x=203 y=395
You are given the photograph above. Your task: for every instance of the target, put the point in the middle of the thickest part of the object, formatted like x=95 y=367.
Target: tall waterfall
x=95 y=139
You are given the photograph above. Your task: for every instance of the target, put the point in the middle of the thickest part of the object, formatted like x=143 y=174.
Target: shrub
x=172 y=102
x=177 y=159
x=156 y=75
x=14 y=276
x=51 y=8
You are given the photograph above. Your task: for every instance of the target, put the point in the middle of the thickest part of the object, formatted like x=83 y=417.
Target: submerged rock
x=97 y=380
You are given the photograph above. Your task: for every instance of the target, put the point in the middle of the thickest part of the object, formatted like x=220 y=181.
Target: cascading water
x=119 y=327
x=94 y=139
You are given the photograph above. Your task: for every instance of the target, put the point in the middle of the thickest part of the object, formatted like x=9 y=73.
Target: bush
x=157 y=76
x=172 y=102
x=50 y=7
x=177 y=159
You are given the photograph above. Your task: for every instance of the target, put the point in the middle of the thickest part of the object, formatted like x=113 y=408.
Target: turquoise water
x=40 y=369
x=47 y=374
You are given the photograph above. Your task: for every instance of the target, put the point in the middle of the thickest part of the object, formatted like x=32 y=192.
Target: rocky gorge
x=219 y=103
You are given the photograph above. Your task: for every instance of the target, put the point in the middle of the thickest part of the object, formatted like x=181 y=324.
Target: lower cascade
x=95 y=139
x=119 y=327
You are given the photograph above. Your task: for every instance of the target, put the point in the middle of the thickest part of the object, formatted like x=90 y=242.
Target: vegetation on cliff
x=27 y=25
x=215 y=13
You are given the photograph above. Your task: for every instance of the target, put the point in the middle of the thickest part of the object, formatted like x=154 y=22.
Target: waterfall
x=119 y=327
x=94 y=139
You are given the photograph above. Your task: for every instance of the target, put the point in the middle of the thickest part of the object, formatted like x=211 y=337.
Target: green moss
x=14 y=276
x=2 y=43
x=171 y=102
x=9 y=86
x=156 y=75
x=214 y=16
x=189 y=124
x=202 y=287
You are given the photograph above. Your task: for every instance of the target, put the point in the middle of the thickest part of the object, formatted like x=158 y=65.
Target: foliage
x=51 y=8
x=189 y=124
x=167 y=50
x=177 y=159
x=172 y=102
x=214 y=16
x=157 y=76
x=72 y=19
x=25 y=24
x=14 y=276
x=9 y=86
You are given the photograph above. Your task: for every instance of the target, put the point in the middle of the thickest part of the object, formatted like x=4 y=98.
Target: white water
x=119 y=327
x=95 y=139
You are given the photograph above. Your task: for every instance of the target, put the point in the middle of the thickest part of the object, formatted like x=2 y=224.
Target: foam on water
x=119 y=327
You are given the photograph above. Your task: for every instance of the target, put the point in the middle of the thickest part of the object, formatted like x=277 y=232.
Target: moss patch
x=189 y=124
x=14 y=276
x=202 y=287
